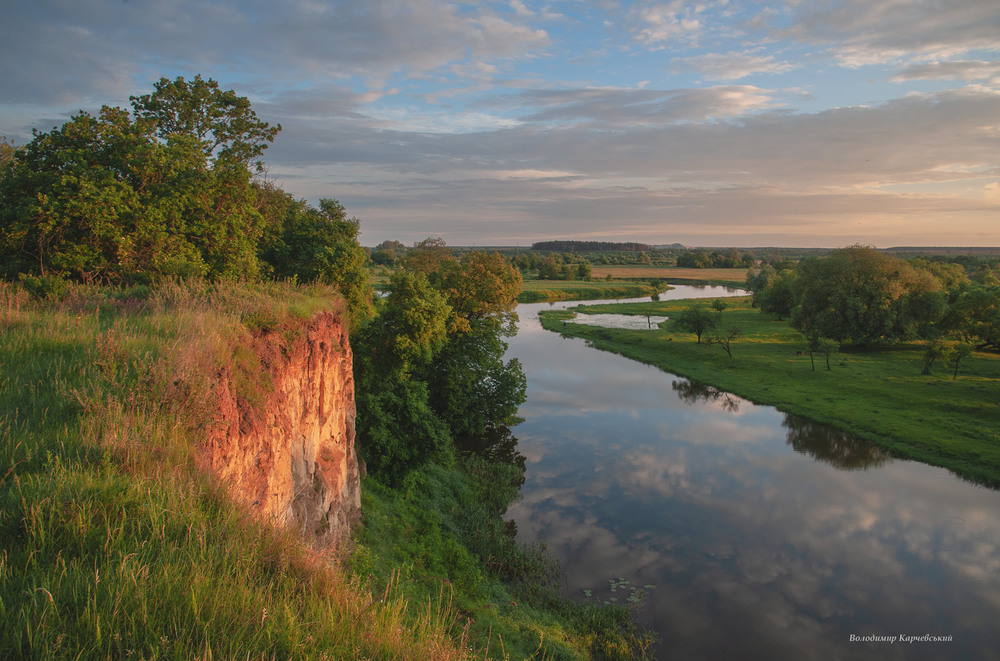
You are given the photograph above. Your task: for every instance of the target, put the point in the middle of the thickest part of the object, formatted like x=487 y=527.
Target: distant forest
x=574 y=246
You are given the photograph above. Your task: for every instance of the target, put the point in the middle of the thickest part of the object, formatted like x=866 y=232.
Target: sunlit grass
x=115 y=543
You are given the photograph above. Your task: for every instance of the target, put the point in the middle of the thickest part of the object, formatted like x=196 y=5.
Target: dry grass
x=634 y=272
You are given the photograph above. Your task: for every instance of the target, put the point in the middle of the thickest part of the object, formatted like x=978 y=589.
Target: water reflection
x=696 y=391
x=762 y=537
x=832 y=446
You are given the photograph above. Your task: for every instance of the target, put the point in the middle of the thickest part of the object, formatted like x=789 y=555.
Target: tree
x=321 y=245
x=695 y=319
x=481 y=289
x=778 y=297
x=975 y=315
x=427 y=256
x=956 y=354
x=719 y=306
x=861 y=295
x=821 y=345
x=117 y=197
x=584 y=272
x=758 y=277
x=222 y=122
x=725 y=339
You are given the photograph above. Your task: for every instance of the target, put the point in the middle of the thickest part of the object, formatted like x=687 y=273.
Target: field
x=534 y=291
x=671 y=273
x=878 y=393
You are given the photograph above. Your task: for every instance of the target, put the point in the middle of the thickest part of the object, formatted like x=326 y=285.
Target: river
x=738 y=532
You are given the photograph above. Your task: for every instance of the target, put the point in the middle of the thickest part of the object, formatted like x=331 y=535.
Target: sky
x=717 y=123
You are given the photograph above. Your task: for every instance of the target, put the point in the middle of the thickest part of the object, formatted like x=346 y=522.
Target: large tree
x=223 y=123
x=119 y=197
x=861 y=295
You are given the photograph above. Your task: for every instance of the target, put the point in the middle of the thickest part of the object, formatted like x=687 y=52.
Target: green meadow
x=877 y=393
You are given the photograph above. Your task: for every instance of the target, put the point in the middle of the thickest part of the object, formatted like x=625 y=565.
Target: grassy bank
x=875 y=393
x=118 y=544
x=675 y=274
x=536 y=291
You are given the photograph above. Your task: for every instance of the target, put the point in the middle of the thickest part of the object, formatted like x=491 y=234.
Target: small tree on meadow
x=696 y=319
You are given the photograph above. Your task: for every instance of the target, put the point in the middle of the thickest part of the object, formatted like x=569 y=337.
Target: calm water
x=763 y=537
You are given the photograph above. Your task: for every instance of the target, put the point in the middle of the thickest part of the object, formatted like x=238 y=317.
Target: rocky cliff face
x=284 y=438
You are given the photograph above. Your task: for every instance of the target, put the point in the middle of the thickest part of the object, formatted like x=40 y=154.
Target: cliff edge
x=283 y=442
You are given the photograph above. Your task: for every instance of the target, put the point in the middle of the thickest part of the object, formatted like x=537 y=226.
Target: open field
x=535 y=291
x=670 y=273
x=877 y=393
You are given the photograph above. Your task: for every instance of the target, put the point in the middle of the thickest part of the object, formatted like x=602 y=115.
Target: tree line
x=864 y=297
x=594 y=246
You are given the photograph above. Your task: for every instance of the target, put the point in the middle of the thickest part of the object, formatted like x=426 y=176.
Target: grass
x=877 y=393
x=732 y=277
x=535 y=291
x=116 y=543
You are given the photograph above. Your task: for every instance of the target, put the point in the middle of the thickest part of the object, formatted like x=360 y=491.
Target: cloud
x=632 y=108
x=656 y=23
x=732 y=66
x=967 y=70
x=860 y=32
x=88 y=48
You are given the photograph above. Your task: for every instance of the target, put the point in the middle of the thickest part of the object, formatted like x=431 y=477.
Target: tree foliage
x=440 y=330
x=125 y=197
x=861 y=295
x=696 y=319
x=223 y=123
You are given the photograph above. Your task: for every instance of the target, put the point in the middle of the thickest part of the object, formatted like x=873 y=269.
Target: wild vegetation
x=140 y=249
x=905 y=359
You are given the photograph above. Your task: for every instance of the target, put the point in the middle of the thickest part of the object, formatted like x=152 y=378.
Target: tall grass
x=115 y=544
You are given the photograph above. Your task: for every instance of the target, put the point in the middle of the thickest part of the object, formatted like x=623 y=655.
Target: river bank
x=703 y=510
x=878 y=394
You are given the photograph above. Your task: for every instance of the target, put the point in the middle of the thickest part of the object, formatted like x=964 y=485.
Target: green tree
x=223 y=122
x=695 y=319
x=824 y=346
x=861 y=295
x=584 y=272
x=958 y=352
x=114 y=197
x=778 y=296
x=321 y=245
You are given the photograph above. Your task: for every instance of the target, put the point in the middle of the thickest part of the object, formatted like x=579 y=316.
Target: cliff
x=283 y=441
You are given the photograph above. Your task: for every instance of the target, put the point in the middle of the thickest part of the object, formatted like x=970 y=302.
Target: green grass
x=116 y=543
x=875 y=393
x=536 y=291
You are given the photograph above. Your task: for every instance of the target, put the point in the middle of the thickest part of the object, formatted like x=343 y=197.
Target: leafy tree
x=321 y=245
x=758 y=278
x=821 y=345
x=861 y=295
x=975 y=315
x=584 y=272
x=222 y=122
x=956 y=354
x=427 y=256
x=481 y=289
x=118 y=197
x=778 y=297
x=695 y=319
x=548 y=268
x=719 y=306
x=935 y=349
